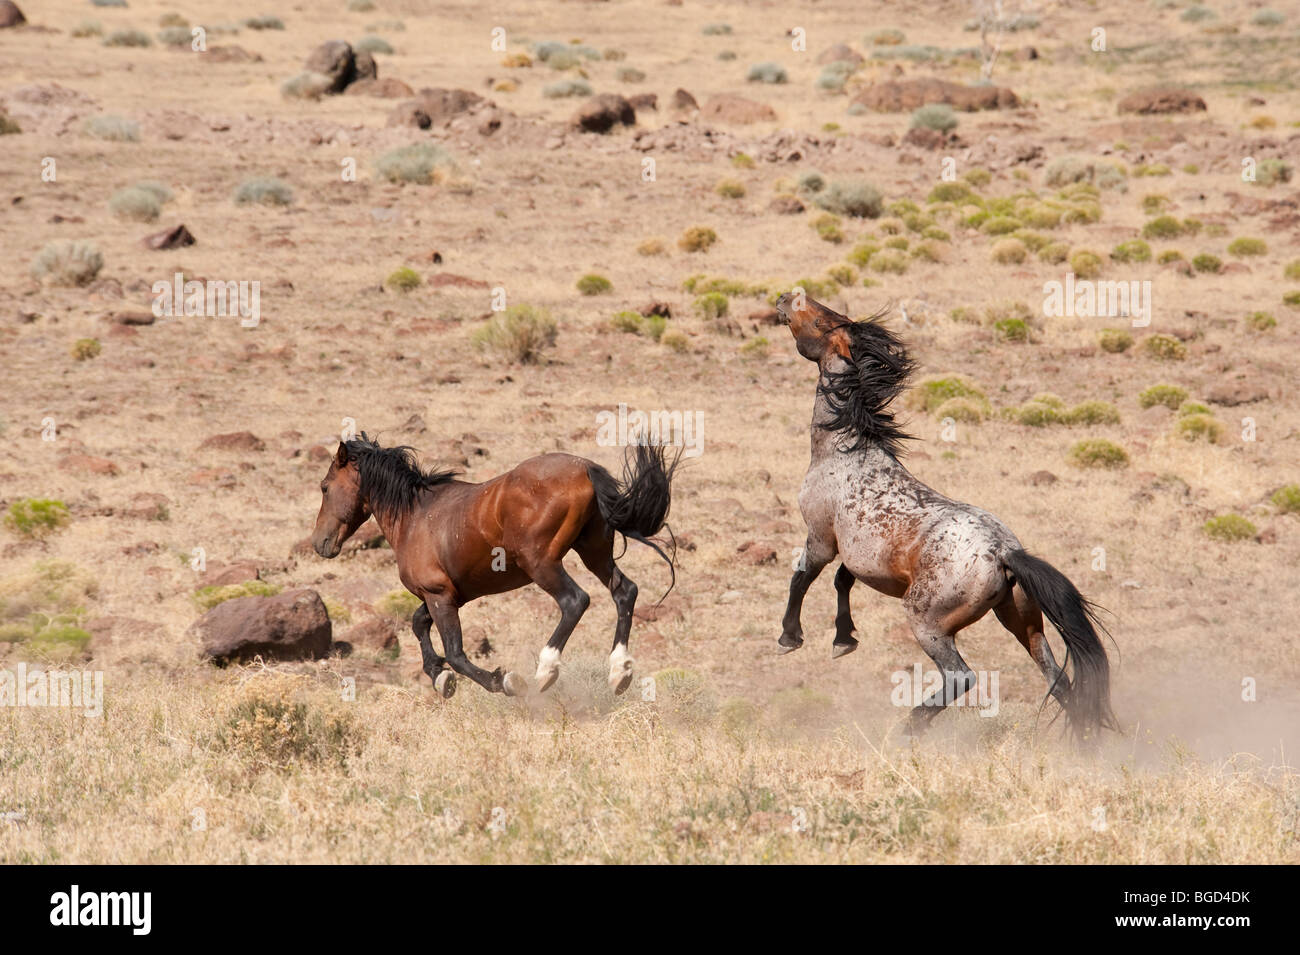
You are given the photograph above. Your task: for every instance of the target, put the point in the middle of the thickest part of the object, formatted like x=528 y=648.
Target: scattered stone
x=903 y=96
x=1162 y=99
x=683 y=100
x=148 y=506
x=925 y=138
x=736 y=110
x=290 y=626
x=1238 y=392
x=374 y=633
x=131 y=318
x=234 y=441
x=644 y=101
x=602 y=113
x=840 y=52
x=224 y=576
x=787 y=205
x=756 y=554
x=10 y=15
x=434 y=107
x=336 y=61
x=89 y=464
x=1042 y=478
x=662 y=309
x=174 y=238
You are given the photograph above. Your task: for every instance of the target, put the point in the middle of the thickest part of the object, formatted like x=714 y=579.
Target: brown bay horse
x=456 y=541
x=948 y=561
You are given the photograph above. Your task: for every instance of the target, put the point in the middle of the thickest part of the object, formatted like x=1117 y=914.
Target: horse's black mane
x=859 y=395
x=391 y=478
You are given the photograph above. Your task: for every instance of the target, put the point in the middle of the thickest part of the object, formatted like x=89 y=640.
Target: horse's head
x=342 y=509
x=819 y=332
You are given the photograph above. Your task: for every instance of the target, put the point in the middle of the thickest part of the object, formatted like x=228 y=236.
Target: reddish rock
x=335 y=60
x=1162 y=99
x=434 y=107
x=224 y=575
x=683 y=100
x=234 y=441
x=388 y=88
x=736 y=110
x=231 y=54
x=662 y=309
x=1233 y=393
x=840 y=52
x=1041 y=478
x=289 y=626
x=898 y=96
x=88 y=464
x=131 y=318
x=10 y=15
x=374 y=633
x=756 y=554
x=212 y=477
x=450 y=279
x=174 y=238
x=642 y=101
x=786 y=205
x=148 y=506
x=925 y=138
x=602 y=113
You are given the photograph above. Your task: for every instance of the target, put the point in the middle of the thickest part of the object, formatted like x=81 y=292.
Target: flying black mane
x=859 y=396
x=391 y=478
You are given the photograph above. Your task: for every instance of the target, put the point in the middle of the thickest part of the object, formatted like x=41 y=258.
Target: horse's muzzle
x=326 y=547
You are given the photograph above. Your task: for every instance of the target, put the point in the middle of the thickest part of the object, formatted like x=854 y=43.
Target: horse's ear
x=341 y=455
x=839 y=342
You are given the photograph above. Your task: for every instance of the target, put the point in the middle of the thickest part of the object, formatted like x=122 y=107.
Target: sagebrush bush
x=1085 y=264
x=84 y=349
x=850 y=197
x=1164 y=347
x=36 y=517
x=1114 y=340
x=270 y=729
x=420 y=163
x=263 y=22
x=730 y=189
x=593 y=284
x=68 y=263
x=697 y=239
x=767 y=73
x=566 y=88
x=930 y=393
x=403 y=279
x=306 y=85
x=135 y=38
x=135 y=203
x=1245 y=247
x=205 y=598
x=1171 y=396
x=1287 y=498
x=1098 y=453
x=521 y=333
x=113 y=129
x=712 y=305
x=1229 y=528
x=175 y=36
x=267 y=191
x=373 y=44
x=1134 y=250
x=1009 y=252
x=937 y=116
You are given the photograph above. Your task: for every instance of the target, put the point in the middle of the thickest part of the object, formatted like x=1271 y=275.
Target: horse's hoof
x=445 y=684
x=787 y=644
x=548 y=668
x=514 y=685
x=620 y=670
x=842 y=647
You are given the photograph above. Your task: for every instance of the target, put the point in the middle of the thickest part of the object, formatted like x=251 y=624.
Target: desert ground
x=144 y=457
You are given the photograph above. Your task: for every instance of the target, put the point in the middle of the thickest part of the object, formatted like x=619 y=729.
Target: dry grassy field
x=1176 y=508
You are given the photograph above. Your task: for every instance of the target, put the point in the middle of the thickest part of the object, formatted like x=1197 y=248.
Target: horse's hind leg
x=1023 y=618
x=597 y=554
x=573 y=601
x=845 y=639
x=958 y=677
x=444 y=680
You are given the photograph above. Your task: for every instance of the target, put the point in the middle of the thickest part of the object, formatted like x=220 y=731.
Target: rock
x=1233 y=393
x=234 y=441
x=434 y=107
x=786 y=205
x=10 y=15
x=602 y=113
x=898 y=96
x=662 y=309
x=756 y=554
x=736 y=110
x=389 y=88
x=644 y=101
x=840 y=52
x=1162 y=99
x=683 y=100
x=364 y=67
x=318 y=452
x=212 y=477
x=335 y=60
x=131 y=318
x=231 y=54
x=374 y=633
x=174 y=238
x=1041 y=478
x=925 y=138
x=224 y=576
x=290 y=626
x=89 y=464
x=148 y=506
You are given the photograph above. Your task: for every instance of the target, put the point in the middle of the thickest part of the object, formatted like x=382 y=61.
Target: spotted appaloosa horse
x=456 y=541
x=948 y=561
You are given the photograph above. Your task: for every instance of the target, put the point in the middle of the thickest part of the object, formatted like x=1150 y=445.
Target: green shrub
x=68 y=263
x=1291 y=299
x=850 y=197
x=1009 y=252
x=1085 y=264
x=1171 y=396
x=1134 y=250
x=112 y=129
x=1170 y=255
x=767 y=73
x=1261 y=321
x=1292 y=271
x=420 y=163
x=1269 y=172
x=208 y=597
x=1093 y=413
x=1245 y=247
x=1267 y=18
x=306 y=85
x=139 y=205
x=1229 y=528
x=520 y=333
x=716 y=29
x=1287 y=499
x=128 y=38
x=1162 y=227
x=1164 y=348
x=697 y=239
x=1207 y=263
x=1055 y=252
x=999 y=225
x=373 y=44
x=84 y=349
x=36 y=517
x=1196 y=13
x=1035 y=413
x=175 y=36
x=712 y=305
x=889 y=260
x=567 y=88
x=937 y=116
x=88 y=28
x=593 y=284
x=1199 y=427
x=1114 y=340
x=264 y=22
x=403 y=279
x=1098 y=453
x=1012 y=329
x=960 y=410
x=266 y=191
x=930 y=393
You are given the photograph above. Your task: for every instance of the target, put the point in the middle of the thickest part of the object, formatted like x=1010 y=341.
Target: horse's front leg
x=810 y=564
x=846 y=640
x=444 y=681
x=446 y=617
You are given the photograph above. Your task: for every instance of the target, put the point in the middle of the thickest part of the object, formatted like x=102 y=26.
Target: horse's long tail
x=1087 y=692
x=637 y=505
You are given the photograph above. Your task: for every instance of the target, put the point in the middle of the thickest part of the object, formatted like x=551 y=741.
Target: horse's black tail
x=637 y=505
x=1087 y=693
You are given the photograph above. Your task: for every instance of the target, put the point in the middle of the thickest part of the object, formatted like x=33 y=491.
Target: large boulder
x=602 y=113
x=10 y=15
x=729 y=108
x=290 y=626
x=1162 y=99
x=434 y=107
x=336 y=60
x=903 y=96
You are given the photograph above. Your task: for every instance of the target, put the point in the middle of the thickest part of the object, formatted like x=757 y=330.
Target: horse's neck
x=827 y=444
